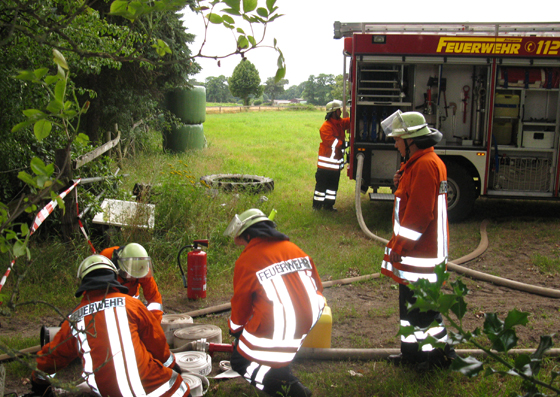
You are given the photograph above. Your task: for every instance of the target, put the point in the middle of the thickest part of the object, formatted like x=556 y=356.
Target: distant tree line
x=244 y=86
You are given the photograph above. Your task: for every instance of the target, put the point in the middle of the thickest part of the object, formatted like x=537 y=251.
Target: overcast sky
x=305 y=32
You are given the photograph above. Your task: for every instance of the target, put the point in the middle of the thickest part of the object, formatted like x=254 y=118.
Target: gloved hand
x=236 y=335
x=41 y=388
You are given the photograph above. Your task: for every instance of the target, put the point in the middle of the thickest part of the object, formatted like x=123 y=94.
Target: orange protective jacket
x=276 y=300
x=420 y=228
x=149 y=287
x=123 y=349
x=331 y=149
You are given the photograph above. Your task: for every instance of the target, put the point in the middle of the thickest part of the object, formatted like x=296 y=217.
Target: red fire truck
x=490 y=88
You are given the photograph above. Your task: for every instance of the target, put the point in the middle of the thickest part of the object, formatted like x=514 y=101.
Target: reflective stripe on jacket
x=420 y=229
x=276 y=301
x=148 y=284
x=123 y=349
x=331 y=149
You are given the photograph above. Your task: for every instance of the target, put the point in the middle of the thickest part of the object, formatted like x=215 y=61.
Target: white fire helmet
x=134 y=262
x=240 y=223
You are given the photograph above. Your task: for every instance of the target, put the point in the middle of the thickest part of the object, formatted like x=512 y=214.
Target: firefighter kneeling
x=276 y=301
x=123 y=348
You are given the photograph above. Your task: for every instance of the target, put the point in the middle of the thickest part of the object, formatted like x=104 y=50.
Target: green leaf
x=228 y=19
x=52 y=79
x=280 y=74
x=459 y=308
x=42 y=129
x=514 y=318
x=522 y=363
x=262 y=12
x=231 y=11
x=241 y=31
x=55 y=106
x=19 y=248
x=21 y=125
x=234 y=4
x=505 y=341
x=59 y=59
x=60 y=90
x=39 y=73
x=119 y=7
x=25 y=177
x=24 y=229
x=249 y=5
x=406 y=330
x=270 y=5
x=468 y=366
x=214 y=18
x=26 y=75
x=31 y=208
x=43 y=181
x=242 y=42
x=82 y=138
x=252 y=41
x=446 y=302
x=545 y=344
x=33 y=113
x=492 y=324
x=38 y=167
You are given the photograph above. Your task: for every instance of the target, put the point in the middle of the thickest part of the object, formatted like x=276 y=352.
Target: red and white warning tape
x=40 y=218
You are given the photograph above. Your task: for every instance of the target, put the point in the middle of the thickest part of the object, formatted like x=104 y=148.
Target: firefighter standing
x=331 y=156
x=123 y=349
x=135 y=271
x=276 y=301
x=420 y=238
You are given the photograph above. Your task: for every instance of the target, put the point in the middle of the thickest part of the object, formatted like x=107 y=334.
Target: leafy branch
x=500 y=334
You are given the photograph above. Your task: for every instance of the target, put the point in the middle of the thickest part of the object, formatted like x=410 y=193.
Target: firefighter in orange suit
x=331 y=157
x=276 y=301
x=123 y=349
x=135 y=271
x=420 y=238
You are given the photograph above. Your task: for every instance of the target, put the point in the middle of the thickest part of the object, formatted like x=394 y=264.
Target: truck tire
x=239 y=182
x=461 y=192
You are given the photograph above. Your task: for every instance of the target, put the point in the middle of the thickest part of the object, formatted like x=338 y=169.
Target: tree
x=274 y=89
x=128 y=51
x=294 y=91
x=338 y=88
x=245 y=81
x=217 y=89
x=318 y=89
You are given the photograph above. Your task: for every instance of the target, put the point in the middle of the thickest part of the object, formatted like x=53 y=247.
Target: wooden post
x=70 y=217
x=119 y=147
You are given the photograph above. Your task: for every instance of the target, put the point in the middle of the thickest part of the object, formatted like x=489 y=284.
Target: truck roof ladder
x=347 y=29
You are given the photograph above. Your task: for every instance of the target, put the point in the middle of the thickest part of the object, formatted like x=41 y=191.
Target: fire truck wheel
x=239 y=182
x=461 y=192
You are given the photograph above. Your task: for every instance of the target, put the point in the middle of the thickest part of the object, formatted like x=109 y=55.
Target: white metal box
x=538 y=139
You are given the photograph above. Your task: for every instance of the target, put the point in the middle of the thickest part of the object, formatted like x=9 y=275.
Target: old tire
x=461 y=192
x=239 y=182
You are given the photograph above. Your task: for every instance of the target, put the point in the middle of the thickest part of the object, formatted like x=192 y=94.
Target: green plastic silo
x=189 y=136
x=187 y=104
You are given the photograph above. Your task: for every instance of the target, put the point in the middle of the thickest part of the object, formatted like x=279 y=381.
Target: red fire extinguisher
x=195 y=281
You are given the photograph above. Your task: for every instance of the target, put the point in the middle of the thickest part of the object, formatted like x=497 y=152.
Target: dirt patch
x=366 y=314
